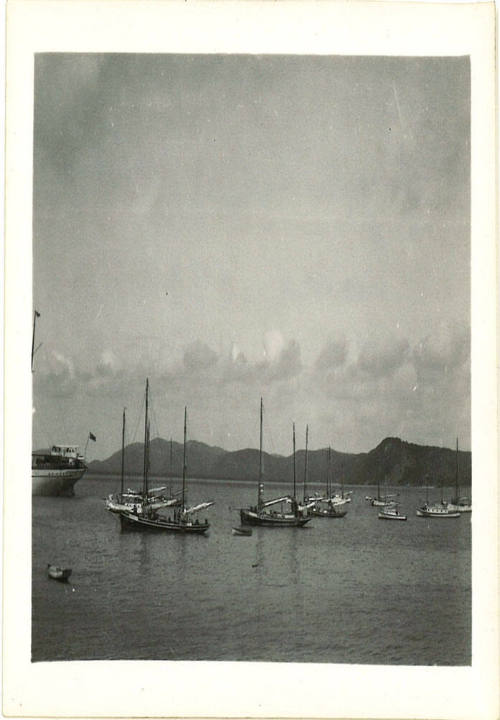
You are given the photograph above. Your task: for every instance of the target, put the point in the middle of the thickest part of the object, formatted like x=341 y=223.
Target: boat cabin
x=58 y=455
x=66 y=451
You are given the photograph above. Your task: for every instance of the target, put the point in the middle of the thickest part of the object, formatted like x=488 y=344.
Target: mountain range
x=392 y=462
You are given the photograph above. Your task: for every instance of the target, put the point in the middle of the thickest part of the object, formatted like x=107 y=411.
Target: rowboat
x=246 y=531
x=58 y=573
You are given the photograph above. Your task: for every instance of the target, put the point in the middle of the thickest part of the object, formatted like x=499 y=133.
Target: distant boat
x=144 y=517
x=437 y=509
x=381 y=500
x=391 y=512
x=58 y=573
x=344 y=497
x=326 y=506
x=330 y=511
x=458 y=503
x=261 y=514
x=246 y=531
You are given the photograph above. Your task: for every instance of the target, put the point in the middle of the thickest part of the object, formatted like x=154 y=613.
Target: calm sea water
x=350 y=590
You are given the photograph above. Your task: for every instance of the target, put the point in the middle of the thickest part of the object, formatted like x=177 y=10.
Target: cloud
x=382 y=357
x=108 y=364
x=333 y=355
x=288 y=363
x=273 y=344
x=61 y=365
x=421 y=394
x=57 y=376
x=199 y=357
x=443 y=351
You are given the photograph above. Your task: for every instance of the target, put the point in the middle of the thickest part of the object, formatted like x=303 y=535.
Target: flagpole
x=35 y=315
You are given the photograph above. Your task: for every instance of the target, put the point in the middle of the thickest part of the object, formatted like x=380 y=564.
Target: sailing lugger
x=261 y=514
x=143 y=516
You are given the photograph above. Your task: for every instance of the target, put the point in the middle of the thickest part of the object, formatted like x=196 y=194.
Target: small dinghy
x=58 y=573
x=246 y=531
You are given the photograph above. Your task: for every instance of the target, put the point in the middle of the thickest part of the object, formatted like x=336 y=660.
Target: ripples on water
x=350 y=590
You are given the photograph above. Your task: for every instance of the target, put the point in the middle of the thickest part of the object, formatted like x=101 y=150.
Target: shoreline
x=165 y=480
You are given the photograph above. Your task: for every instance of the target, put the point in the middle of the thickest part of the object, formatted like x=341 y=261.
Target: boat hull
x=50 y=482
x=242 y=531
x=57 y=573
x=381 y=503
x=115 y=505
x=440 y=515
x=328 y=513
x=459 y=508
x=338 y=500
x=137 y=522
x=391 y=516
x=249 y=517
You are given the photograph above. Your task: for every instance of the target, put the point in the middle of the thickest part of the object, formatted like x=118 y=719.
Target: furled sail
x=197 y=508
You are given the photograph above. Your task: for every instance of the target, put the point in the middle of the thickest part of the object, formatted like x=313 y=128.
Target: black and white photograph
x=250 y=359
x=226 y=229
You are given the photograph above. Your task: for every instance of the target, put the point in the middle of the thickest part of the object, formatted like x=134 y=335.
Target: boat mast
x=294 y=473
x=183 y=502
x=328 y=474
x=146 y=440
x=147 y=462
x=342 y=480
x=456 y=477
x=171 y=454
x=260 y=492
x=305 y=463
x=123 y=453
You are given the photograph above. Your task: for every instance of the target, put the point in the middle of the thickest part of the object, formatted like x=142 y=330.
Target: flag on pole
x=37 y=313
x=92 y=436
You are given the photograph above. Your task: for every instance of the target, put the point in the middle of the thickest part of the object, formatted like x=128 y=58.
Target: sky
x=231 y=227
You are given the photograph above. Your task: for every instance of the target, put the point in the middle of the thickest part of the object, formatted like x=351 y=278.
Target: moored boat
x=436 y=511
x=134 y=500
x=261 y=514
x=246 y=531
x=391 y=512
x=145 y=517
x=329 y=511
x=460 y=504
x=381 y=500
x=55 y=471
x=58 y=573
x=327 y=506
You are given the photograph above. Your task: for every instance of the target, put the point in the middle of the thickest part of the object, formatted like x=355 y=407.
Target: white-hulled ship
x=55 y=471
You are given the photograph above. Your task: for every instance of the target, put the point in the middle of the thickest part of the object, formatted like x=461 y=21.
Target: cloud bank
x=351 y=398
